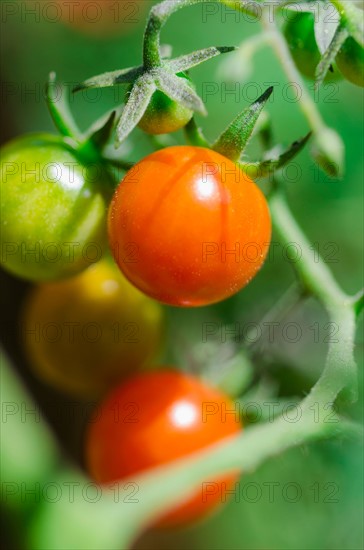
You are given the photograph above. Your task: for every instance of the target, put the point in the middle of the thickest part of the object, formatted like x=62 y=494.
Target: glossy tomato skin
x=164 y=115
x=156 y=418
x=350 y=61
x=84 y=334
x=53 y=209
x=201 y=228
x=300 y=35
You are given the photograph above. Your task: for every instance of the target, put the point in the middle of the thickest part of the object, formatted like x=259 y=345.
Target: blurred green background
x=328 y=515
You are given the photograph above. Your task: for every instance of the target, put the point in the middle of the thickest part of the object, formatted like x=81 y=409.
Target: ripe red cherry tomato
x=201 y=228
x=155 y=418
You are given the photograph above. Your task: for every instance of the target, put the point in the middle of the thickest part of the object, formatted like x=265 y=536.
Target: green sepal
x=233 y=141
x=325 y=26
x=135 y=107
x=328 y=58
x=268 y=166
x=112 y=78
x=59 y=109
x=178 y=89
x=145 y=81
x=185 y=62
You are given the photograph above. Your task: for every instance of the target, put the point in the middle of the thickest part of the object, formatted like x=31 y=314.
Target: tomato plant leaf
x=176 y=88
x=328 y=58
x=110 y=79
x=193 y=59
x=234 y=139
x=135 y=107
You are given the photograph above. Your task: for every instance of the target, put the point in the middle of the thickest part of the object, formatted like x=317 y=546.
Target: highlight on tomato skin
x=201 y=227
x=85 y=334
x=156 y=418
x=53 y=206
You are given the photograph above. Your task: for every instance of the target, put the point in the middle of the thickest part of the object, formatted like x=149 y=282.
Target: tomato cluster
x=300 y=35
x=299 y=32
x=186 y=227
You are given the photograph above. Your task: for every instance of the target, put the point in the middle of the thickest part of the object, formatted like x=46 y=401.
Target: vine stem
x=306 y=102
x=158 y=16
x=340 y=369
x=313 y=272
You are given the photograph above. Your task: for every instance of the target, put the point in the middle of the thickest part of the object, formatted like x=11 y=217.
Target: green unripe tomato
x=53 y=208
x=164 y=115
x=299 y=32
x=350 y=61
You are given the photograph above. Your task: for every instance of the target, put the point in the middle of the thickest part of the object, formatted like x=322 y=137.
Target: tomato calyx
x=89 y=146
x=145 y=81
x=157 y=73
x=233 y=141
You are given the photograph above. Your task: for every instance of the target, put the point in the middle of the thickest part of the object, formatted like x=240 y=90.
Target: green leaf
x=233 y=141
x=267 y=167
x=110 y=79
x=59 y=109
x=328 y=58
x=193 y=59
x=135 y=107
x=177 y=88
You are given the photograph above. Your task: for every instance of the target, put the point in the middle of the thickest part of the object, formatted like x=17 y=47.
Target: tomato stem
x=59 y=109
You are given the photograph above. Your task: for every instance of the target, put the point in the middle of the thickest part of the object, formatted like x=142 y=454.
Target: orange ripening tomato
x=200 y=226
x=102 y=18
x=84 y=334
x=153 y=419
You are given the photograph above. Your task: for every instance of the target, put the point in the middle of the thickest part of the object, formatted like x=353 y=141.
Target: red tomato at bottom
x=153 y=419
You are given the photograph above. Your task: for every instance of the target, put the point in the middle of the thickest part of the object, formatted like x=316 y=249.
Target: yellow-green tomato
x=53 y=206
x=84 y=334
x=164 y=115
